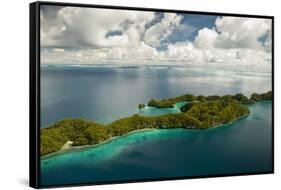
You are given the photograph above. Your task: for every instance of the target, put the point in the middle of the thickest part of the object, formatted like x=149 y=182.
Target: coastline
x=140 y=147
x=74 y=148
x=67 y=147
x=229 y=123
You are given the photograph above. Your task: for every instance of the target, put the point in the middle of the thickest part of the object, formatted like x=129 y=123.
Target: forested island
x=169 y=102
x=200 y=112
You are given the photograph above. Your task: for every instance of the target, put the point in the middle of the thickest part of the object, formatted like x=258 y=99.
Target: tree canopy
x=198 y=113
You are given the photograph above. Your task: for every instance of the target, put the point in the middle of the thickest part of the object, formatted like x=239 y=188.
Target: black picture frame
x=34 y=93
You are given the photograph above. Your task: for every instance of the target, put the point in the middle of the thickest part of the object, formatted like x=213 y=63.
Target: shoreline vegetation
x=169 y=102
x=201 y=112
x=73 y=148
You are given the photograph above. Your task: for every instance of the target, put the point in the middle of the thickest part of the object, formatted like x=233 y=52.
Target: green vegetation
x=260 y=97
x=186 y=107
x=183 y=98
x=200 y=113
x=247 y=101
x=141 y=106
x=240 y=98
x=53 y=137
x=211 y=98
x=216 y=112
x=82 y=132
x=201 y=98
x=169 y=102
x=160 y=104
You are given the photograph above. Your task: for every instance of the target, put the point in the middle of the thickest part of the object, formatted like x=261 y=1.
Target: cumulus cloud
x=87 y=35
x=88 y=27
x=206 y=38
x=234 y=32
x=241 y=32
x=143 y=52
x=160 y=31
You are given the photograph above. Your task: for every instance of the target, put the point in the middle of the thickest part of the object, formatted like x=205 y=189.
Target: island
x=199 y=112
x=169 y=102
x=141 y=106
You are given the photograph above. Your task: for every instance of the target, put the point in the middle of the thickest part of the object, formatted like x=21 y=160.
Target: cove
x=153 y=111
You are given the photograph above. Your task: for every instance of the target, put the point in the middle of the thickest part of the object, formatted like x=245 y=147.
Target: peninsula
x=200 y=112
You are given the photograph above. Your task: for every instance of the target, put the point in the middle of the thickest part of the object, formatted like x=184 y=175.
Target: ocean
x=107 y=93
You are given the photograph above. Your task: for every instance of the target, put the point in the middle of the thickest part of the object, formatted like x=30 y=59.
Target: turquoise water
x=241 y=147
x=152 y=111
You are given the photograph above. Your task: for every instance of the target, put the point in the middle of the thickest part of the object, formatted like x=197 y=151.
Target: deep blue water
x=105 y=94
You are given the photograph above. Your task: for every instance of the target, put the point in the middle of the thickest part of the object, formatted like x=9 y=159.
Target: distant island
x=169 y=102
x=199 y=112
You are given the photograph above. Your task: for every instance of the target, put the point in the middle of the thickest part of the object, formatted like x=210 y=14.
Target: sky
x=74 y=35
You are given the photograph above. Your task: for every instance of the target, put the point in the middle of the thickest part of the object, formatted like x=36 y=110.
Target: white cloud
x=160 y=31
x=241 y=32
x=58 y=50
x=233 y=40
x=144 y=52
x=234 y=32
x=206 y=38
x=135 y=36
x=79 y=27
x=268 y=41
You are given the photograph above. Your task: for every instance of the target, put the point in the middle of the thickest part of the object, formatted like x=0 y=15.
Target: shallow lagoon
x=152 y=111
